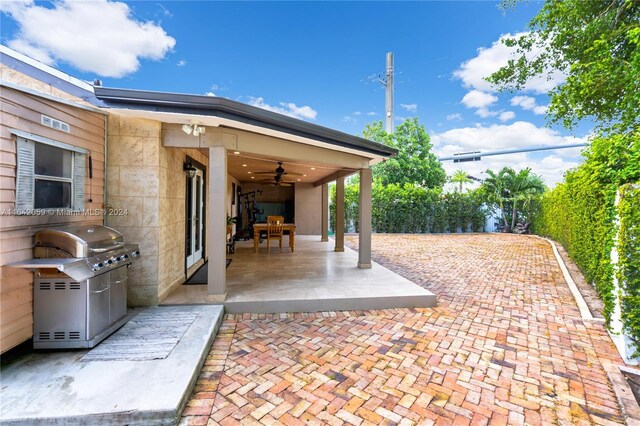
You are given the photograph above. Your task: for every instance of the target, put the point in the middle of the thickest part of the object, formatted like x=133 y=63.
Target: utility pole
x=388 y=83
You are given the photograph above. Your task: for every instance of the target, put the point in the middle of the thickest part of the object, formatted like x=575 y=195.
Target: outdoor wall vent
x=55 y=124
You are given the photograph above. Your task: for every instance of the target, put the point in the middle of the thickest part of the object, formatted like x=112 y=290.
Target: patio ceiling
x=244 y=166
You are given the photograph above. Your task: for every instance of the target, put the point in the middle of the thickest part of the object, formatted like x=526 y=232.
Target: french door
x=195 y=217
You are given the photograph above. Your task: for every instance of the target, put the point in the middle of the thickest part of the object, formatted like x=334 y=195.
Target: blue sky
x=311 y=60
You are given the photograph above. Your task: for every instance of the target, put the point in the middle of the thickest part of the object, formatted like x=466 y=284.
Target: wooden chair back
x=275 y=226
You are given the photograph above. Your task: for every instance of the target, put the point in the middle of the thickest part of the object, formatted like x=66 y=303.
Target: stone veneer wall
x=171 y=253
x=148 y=180
x=133 y=183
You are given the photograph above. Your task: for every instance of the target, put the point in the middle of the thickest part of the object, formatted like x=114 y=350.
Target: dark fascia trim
x=232 y=110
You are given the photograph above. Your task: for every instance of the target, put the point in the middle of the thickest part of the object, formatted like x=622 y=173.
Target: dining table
x=262 y=227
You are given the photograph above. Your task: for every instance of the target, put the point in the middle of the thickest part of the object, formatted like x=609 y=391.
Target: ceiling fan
x=278 y=176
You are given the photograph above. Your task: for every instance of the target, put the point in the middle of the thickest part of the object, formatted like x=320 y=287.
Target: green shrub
x=628 y=273
x=412 y=208
x=580 y=212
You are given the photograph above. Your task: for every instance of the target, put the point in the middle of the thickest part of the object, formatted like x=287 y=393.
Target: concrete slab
x=57 y=388
x=313 y=278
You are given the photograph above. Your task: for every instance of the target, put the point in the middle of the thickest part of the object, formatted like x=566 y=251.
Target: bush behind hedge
x=411 y=208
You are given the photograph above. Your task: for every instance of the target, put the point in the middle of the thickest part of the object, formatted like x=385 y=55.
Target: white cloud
x=409 y=107
x=456 y=116
x=529 y=103
x=210 y=94
x=506 y=136
x=166 y=12
x=285 y=108
x=506 y=116
x=99 y=36
x=478 y=99
x=218 y=87
x=485 y=112
x=31 y=51
x=181 y=63
x=348 y=119
x=489 y=60
x=357 y=113
x=372 y=113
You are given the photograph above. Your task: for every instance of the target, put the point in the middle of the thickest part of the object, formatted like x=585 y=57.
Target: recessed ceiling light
x=303 y=175
x=313 y=168
x=236 y=152
x=253 y=177
x=244 y=165
x=249 y=172
x=298 y=180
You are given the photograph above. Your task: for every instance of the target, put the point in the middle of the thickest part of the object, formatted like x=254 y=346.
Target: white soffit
x=206 y=120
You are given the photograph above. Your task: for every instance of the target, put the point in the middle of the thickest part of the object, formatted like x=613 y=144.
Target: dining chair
x=274 y=230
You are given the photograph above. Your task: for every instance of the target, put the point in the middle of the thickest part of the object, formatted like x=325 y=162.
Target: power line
x=477 y=155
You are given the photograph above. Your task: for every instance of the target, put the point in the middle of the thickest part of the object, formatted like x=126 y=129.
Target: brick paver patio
x=505 y=345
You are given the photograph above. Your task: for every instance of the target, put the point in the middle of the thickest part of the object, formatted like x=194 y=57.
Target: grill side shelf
x=76 y=268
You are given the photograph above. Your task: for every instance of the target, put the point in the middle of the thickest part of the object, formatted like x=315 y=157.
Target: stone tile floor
x=505 y=345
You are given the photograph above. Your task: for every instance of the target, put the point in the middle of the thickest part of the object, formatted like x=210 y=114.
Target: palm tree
x=522 y=186
x=461 y=177
x=494 y=190
x=510 y=186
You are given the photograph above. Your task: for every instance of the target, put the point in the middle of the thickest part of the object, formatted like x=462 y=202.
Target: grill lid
x=80 y=241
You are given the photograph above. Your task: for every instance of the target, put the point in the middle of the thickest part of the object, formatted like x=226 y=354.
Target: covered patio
x=236 y=149
x=314 y=278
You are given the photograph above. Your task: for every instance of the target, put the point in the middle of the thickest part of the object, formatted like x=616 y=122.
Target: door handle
x=100 y=291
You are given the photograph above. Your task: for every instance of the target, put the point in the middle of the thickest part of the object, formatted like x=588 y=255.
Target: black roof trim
x=226 y=108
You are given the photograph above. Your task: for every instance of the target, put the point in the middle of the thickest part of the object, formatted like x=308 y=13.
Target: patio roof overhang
x=225 y=113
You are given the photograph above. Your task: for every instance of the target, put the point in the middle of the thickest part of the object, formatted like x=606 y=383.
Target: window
x=50 y=175
x=53 y=177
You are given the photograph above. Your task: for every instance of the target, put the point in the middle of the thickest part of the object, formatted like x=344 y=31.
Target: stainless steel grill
x=80 y=289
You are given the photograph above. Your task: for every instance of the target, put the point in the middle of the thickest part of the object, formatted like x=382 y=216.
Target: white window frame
x=26 y=176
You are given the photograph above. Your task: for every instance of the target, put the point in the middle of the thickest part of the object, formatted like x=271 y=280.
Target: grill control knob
x=126 y=256
x=109 y=262
x=118 y=259
x=135 y=253
x=99 y=265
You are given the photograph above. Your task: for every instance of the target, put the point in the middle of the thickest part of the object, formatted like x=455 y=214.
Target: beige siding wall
x=308 y=209
x=22 y=112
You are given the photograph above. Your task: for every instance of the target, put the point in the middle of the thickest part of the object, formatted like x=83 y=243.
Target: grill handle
x=102 y=250
x=100 y=291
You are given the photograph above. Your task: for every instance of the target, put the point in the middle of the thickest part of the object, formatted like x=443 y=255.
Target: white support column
x=325 y=213
x=364 y=238
x=217 y=231
x=339 y=214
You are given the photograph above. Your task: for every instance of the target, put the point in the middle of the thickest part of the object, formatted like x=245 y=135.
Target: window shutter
x=25 y=182
x=78 y=180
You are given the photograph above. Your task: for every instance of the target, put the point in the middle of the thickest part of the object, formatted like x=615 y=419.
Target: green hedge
x=410 y=208
x=628 y=272
x=580 y=212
